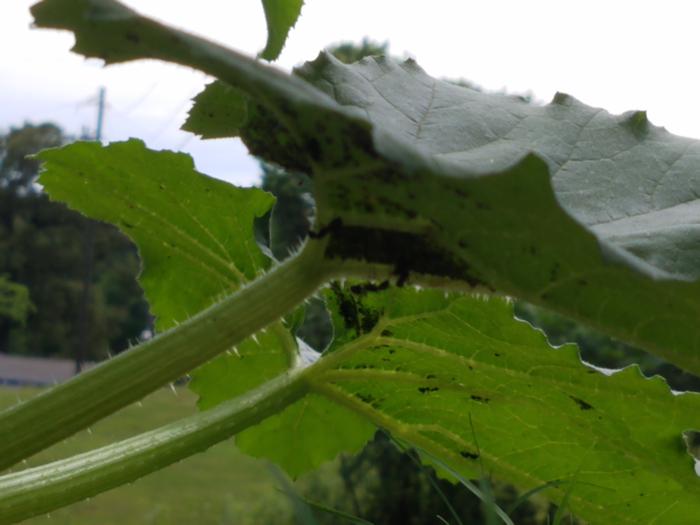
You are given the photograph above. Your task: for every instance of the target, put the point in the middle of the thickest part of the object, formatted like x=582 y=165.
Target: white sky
x=618 y=55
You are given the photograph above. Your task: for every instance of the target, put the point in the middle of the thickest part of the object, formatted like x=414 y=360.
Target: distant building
x=18 y=370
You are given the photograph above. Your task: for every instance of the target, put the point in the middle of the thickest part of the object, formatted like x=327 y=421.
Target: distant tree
x=14 y=300
x=18 y=170
x=41 y=250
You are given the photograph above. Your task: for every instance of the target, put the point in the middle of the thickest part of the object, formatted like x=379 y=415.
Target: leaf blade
x=430 y=361
x=281 y=15
x=219 y=111
x=194 y=248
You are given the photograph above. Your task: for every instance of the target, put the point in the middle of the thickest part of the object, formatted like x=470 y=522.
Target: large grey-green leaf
x=480 y=214
x=425 y=366
x=632 y=182
x=492 y=217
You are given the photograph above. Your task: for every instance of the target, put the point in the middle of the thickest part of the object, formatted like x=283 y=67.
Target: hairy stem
x=38 y=490
x=67 y=408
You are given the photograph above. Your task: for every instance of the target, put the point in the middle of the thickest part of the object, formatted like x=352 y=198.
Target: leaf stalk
x=41 y=489
x=33 y=425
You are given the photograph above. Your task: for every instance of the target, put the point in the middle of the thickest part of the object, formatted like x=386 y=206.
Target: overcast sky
x=617 y=55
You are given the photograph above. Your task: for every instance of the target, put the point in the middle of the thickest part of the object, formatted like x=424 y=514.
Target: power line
x=173 y=115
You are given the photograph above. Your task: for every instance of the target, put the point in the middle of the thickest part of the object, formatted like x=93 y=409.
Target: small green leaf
x=431 y=363
x=217 y=112
x=194 y=233
x=244 y=367
x=306 y=434
x=281 y=15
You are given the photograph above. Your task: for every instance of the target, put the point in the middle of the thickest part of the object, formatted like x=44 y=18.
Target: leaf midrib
x=404 y=430
x=328 y=376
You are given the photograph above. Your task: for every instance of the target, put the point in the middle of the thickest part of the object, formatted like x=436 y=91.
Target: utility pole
x=88 y=260
x=100 y=114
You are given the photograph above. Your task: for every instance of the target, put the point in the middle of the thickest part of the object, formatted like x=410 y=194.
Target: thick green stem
x=63 y=410
x=38 y=490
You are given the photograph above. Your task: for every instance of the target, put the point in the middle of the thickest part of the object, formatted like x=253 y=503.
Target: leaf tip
x=636 y=121
x=280 y=20
x=324 y=57
x=562 y=99
x=410 y=64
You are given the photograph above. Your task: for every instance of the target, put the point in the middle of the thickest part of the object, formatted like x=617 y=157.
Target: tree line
x=42 y=264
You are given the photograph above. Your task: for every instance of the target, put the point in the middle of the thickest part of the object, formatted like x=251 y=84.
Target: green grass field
x=220 y=486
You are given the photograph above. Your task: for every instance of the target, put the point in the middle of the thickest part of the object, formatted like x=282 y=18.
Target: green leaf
x=281 y=15
x=244 y=367
x=195 y=237
x=620 y=175
x=306 y=434
x=431 y=361
x=195 y=249
x=113 y=32
x=457 y=195
x=301 y=437
x=218 y=111
x=194 y=233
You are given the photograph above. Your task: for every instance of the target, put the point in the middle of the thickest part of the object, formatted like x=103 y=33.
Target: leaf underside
x=595 y=224
x=432 y=363
x=422 y=364
x=500 y=217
